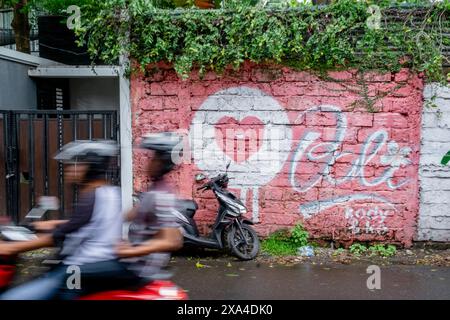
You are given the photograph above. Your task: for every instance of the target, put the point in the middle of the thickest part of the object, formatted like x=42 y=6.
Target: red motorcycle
x=154 y=290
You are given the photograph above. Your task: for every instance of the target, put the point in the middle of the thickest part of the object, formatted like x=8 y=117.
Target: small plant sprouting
x=286 y=242
x=382 y=250
x=357 y=249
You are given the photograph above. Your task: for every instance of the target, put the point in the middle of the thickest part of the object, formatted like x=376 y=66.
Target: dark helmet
x=164 y=144
x=96 y=153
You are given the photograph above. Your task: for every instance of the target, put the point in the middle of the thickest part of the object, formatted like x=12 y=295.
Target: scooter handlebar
x=212 y=182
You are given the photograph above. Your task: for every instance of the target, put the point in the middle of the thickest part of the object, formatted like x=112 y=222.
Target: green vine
x=313 y=38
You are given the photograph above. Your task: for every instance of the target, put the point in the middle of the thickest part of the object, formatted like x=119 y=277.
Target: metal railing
x=30 y=140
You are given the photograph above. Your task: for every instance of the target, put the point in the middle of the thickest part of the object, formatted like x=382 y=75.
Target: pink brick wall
x=315 y=157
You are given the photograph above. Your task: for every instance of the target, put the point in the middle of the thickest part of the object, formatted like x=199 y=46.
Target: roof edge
x=27 y=59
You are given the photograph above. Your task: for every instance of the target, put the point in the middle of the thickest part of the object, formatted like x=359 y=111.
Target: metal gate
x=28 y=142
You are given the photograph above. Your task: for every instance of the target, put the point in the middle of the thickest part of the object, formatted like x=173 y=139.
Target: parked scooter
x=230 y=230
x=160 y=288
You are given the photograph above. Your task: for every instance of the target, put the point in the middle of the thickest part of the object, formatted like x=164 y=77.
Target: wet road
x=250 y=280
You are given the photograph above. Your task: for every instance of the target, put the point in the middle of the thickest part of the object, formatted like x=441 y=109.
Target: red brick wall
x=316 y=156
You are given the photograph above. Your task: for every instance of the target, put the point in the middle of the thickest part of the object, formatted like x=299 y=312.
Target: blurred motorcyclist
x=154 y=231
x=89 y=237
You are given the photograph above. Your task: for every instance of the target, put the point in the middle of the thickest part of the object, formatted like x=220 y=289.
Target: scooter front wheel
x=238 y=245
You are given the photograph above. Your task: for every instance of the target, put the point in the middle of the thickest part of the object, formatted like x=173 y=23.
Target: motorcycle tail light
x=169 y=292
x=6 y=275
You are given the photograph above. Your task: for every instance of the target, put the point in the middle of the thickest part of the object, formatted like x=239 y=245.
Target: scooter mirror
x=200 y=177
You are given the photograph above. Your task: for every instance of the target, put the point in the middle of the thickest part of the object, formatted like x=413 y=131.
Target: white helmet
x=163 y=142
x=164 y=145
x=90 y=151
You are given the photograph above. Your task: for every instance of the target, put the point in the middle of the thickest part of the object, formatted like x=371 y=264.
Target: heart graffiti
x=237 y=115
x=239 y=139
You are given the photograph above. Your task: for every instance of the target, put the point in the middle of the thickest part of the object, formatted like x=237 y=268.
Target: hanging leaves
x=336 y=36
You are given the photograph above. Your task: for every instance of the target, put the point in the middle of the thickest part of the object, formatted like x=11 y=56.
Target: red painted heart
x=239 y=140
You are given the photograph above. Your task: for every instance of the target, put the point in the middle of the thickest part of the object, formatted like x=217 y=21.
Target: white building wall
x=434 y=213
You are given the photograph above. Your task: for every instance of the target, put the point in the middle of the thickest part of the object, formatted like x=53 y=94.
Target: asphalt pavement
x=237 y=280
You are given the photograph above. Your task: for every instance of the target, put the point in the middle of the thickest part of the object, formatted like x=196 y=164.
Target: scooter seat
x=187 y=207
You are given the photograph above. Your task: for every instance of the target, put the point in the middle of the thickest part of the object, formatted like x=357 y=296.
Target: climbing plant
x=296 y=34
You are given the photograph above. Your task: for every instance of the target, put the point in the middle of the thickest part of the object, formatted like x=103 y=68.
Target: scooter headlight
x=234 y=207
x=242 y=210
x=239 y=208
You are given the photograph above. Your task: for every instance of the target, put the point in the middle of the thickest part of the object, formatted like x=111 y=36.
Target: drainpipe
x=126 y=138
x=126 y=155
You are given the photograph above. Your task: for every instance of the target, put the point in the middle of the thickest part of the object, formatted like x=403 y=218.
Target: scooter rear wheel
x=237 y=244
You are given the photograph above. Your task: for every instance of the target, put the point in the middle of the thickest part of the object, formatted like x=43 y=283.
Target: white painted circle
x=241 y=102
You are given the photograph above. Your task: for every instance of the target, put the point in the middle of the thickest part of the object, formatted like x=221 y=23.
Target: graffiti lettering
x=371 y=147
x=364 y=220
x=326 y=154
x=250 y=129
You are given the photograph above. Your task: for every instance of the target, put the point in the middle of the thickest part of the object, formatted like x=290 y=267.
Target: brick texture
x=302 y=149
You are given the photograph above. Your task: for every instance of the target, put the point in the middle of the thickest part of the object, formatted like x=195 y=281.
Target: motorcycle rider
x=95 y=226
x=154 y=232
